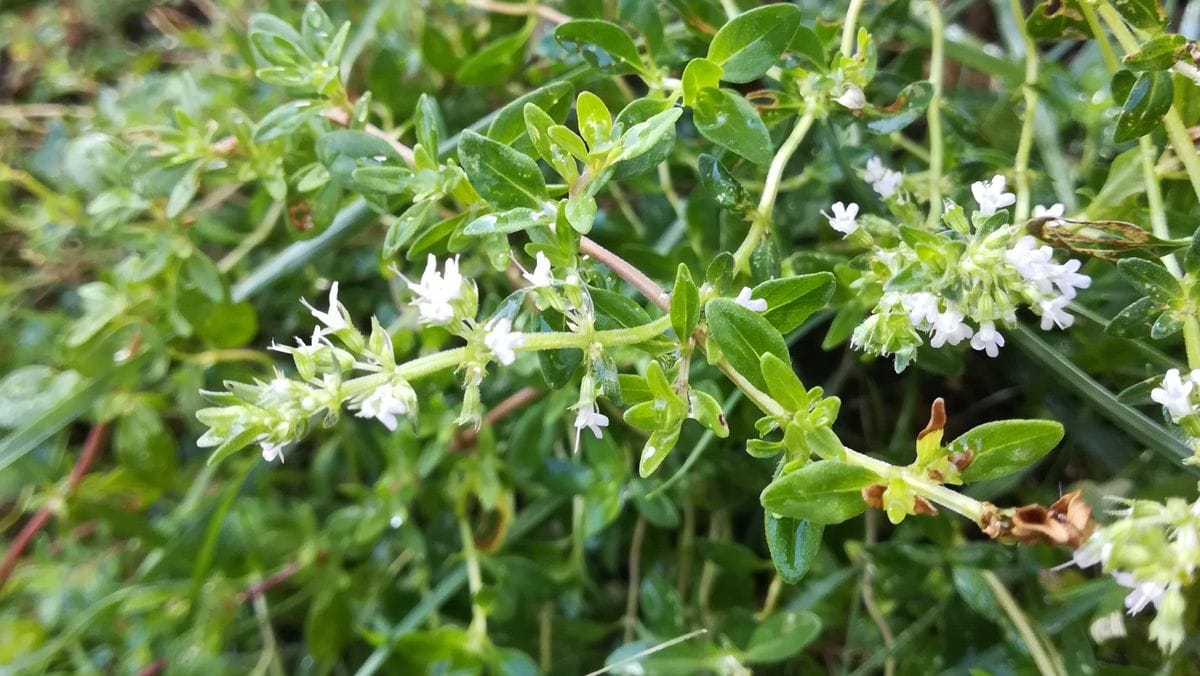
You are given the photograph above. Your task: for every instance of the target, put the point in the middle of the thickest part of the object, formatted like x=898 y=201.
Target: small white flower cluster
x=1153 y=550
x=966 y=282
x=277 y=413
x=435 y=294
x=885 y=182
x=1175 y=394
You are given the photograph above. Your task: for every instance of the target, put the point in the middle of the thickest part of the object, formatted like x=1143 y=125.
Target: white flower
x=888 y=185
x=1053 y=313
x=843 y=216
x=436 y=291
x=883 y=181
x=270 y=449
x=1143 y=594
x=988 y=339
x=1033 y=262
x=541 y=275
x=335 y=318
x=921 y=307
x=1068 y=278
x=502 y=340
x=384 y=404
x=875 y=170
x=1107 y=627
x=591 y=418
x=752 y=304
x=991 y=196
x=950 y=328
x=852 y=97
x=1174 y=395
x=1054 y=211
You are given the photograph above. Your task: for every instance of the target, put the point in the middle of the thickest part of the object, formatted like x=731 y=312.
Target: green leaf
x=537 y=125
x=1149 y=99
x=407 y=225
x=29 y=390
x=557 y=365
x=1191 y=258
x=203 y=273
x=1168 y=324
x=643 y=136
x=824 y=492
x=783 y=384
x=706 y=410
x=808 y=44
x=604 y=45
x=743 y=337
x=685 y=304
x=1135 y=320
x=909 y=106
x=581 y=213
x=183 y=192
x=699 y=74
x=794 y=545
x=1057 y=20
x=725 y=190
x=144 y=445
x=1002 y=447
x=286 y=119
x=1152 y=279
x=657 y=448
x=595 y=122
x=1148 y=15
x=752 y=42
x=782 y=636
x=791 y=300
x=508 y=127
x=502 y=175
x=495 y=62
x=505 y=222
x=1160 y=53
x=428 y=121
x=727 y=119
x=616 y=310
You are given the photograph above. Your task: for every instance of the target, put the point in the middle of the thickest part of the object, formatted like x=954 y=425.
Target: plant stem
x=474 y=579
x=762 y=217
x=1184 y=148
x=937 y=65
x=850 y=26
x=1029 y=88
x=91 y=448
x=551 y=340
x=1045 y=664
x=635 y=563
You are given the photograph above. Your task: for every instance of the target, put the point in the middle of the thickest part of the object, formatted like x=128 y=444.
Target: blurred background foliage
x=142 y=214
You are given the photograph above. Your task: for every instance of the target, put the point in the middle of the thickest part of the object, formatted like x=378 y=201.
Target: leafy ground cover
x=585 y=337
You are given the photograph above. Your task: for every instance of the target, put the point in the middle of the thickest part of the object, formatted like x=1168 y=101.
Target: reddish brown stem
x=646 y=286
x=91 y=448
x=276 y=579
x=466 y=439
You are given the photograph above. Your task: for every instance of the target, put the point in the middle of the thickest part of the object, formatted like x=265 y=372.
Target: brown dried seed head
x=873 y=495
x=923 y=506
x=937 y=418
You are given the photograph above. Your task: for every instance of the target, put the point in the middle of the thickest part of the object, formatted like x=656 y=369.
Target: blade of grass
x=1133 y=422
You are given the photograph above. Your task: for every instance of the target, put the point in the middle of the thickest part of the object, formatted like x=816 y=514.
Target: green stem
x=937 y=62
x=474 y=579
x=1185 y=149
x=1046 y=665
x=551 y=340
x=1029 y=88
x=762 y=217
x=850 y=26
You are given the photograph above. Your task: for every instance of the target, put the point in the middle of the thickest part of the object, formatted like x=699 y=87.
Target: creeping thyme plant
x=598 y=337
